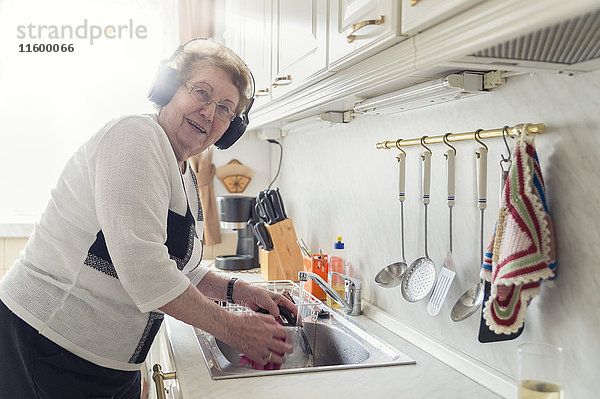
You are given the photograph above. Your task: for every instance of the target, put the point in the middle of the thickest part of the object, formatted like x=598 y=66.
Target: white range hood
x=571 y=45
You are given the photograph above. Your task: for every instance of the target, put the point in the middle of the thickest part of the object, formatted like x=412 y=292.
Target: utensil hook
x=424 y=146
x=398 y=146
x=445 y=138
x=506 y=160
x=477 y=138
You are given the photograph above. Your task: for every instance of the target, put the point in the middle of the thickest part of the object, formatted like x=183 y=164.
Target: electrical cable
x=280 y=158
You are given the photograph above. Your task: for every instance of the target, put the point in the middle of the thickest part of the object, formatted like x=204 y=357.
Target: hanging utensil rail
x=516 y=130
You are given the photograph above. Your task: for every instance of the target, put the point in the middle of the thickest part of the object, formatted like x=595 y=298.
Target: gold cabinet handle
x=355 y=27
x=262 y=93
x=159 y=380
x=414 y=2
x=282 y=81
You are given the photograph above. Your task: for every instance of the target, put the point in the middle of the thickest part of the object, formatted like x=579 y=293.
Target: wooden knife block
x=285 y=260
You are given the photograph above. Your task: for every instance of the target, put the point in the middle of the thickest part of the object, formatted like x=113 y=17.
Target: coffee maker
x=234 y=213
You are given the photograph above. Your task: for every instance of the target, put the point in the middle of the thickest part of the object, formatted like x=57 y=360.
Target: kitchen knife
x=277 y=204
x=264 y=209
x=262 y=235
x=280 y=199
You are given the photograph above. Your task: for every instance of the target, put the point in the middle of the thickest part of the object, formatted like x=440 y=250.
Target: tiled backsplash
x=336 y=182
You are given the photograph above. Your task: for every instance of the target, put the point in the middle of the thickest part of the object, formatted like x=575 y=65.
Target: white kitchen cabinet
x=233 y=17
x=360 y=28
x=161 y=353
x=299 y=44
x=435 y=38
x=257 y=47
x=418 y=15
x=248 y=32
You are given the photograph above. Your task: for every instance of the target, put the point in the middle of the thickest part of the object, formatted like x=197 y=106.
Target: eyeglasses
x=200 y=94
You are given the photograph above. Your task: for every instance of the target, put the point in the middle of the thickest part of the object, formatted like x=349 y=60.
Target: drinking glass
x=540 y=371
x=302 y=355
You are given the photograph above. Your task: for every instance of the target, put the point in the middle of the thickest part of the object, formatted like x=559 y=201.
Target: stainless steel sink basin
x=337 y=343
x=331 y=346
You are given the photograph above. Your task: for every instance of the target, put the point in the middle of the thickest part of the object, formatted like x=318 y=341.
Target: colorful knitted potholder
x=521 y=253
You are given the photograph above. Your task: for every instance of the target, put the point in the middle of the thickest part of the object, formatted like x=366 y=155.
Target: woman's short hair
x=218 y=55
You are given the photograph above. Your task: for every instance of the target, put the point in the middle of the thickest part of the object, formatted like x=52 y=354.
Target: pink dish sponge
x=244 y=360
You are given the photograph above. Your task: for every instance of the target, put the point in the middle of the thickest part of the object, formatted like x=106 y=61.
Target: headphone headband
x=167 y=82
x=182 y=46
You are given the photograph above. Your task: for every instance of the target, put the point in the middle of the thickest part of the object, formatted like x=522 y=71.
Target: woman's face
x=192 y=126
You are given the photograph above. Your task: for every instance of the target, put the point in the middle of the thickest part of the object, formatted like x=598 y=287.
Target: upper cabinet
x=299 y=43
x=360 y=28
x=315 y=56
x=246 y=32
x=418 y=15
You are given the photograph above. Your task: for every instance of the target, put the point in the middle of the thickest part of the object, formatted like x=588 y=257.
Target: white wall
x=336 y=182
x=251 y=153
x=53 y=102
x=255 y=155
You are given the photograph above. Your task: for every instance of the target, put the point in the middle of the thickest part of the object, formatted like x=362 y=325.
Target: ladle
x=419 y=279
x=471 y=300
x=391 y=275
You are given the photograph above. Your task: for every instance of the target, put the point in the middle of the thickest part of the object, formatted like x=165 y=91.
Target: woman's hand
x=258 y=336
x=254 y=298
x=214 y=286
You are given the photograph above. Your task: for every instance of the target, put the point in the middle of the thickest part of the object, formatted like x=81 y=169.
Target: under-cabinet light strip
x=535 y=128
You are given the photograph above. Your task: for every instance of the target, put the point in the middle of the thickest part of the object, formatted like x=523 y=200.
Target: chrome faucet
x=353 y=290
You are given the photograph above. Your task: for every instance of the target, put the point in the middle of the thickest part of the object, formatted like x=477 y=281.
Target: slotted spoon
x=419 y=279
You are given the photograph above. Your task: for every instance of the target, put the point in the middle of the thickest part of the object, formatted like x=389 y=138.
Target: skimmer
x=419 y=279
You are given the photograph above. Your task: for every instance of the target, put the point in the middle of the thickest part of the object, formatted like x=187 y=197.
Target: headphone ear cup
x=164 y=86
x=236 y=129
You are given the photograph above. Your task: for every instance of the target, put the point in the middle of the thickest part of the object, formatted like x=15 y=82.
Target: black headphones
x=167 y=82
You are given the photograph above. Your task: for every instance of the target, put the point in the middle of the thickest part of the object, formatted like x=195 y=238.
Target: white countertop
x=429 y=378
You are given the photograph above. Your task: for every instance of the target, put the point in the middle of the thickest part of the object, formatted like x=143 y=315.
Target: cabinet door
x=360 y=28
x=256 y=46
x=247 y=31
x=418 y=15
x=160 y=353
x=299 y=43
x=233 y=21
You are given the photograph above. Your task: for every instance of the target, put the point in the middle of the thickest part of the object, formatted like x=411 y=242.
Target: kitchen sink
x=337 y=342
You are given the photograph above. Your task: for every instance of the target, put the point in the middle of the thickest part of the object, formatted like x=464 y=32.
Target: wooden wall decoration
x=235 y=176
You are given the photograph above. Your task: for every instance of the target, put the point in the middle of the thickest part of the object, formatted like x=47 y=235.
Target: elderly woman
x=118 y=246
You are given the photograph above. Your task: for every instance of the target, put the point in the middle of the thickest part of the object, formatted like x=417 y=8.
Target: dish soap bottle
x=338 y=262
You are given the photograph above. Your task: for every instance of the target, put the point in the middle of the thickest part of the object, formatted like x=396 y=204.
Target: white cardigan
x=119 y=239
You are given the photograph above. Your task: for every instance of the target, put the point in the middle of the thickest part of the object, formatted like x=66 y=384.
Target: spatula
x=447 y=273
